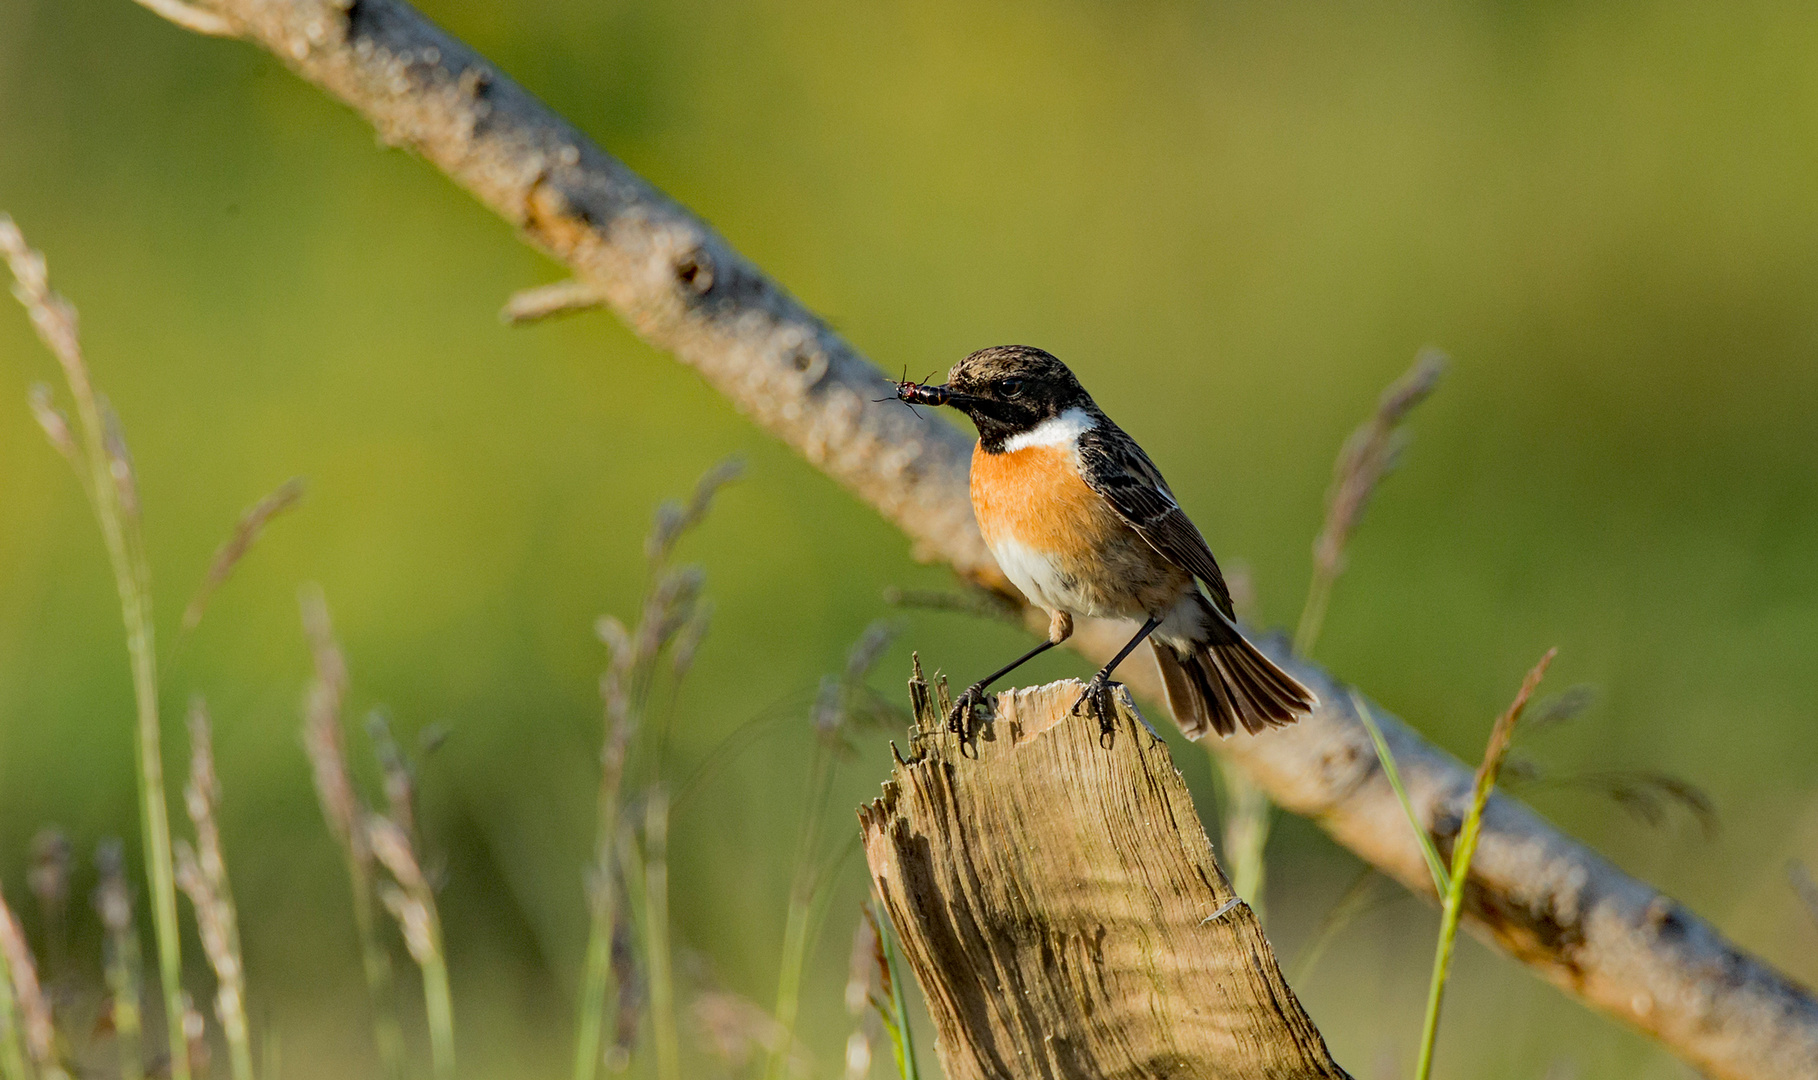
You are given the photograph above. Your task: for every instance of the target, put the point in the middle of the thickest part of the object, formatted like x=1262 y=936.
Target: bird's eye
x=1009 y=387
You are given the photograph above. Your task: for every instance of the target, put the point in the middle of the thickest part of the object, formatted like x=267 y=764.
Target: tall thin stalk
x=861 y=977
x=325 y=741
x=32 y=1007
x=597 y=983
x=106 y=470
x=1500 y=737
x=202 y=874
x=796 y=923
x=842 y=700
x=596 y=974
x=1245 y=818
x=892 y=1007
x=1370 y=454
x=1442 y=878
x=672 y=621
x=245 y=532
x=120 y=955
x=413 y=904
x=1353 y=902
x=659 y=953
x=49 y=882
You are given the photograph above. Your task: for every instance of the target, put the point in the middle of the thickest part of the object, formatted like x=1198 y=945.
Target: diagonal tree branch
x=1610 y=940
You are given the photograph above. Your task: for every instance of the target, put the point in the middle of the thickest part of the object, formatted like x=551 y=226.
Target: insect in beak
x=913 y=393
x=916 y=393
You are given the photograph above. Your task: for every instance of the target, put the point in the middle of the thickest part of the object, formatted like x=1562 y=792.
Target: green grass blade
x=1441 y=880
x=902 y=1040
x=1501 y=735
x=105 y=470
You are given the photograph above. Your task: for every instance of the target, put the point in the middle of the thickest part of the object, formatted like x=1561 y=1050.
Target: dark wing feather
x=1115 y=467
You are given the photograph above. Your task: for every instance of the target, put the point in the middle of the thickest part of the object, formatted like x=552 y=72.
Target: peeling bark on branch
x=1547 y=900
x=1060 y=904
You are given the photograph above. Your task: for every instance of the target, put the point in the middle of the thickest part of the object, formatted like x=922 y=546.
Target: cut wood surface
x=1608 y=939
x=1060 y=905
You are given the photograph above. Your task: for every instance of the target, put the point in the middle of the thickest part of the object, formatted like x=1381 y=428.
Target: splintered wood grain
x=1060 y=905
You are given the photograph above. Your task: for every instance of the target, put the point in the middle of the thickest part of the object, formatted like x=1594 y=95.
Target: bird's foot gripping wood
x=1100 y=699
x=959 y=718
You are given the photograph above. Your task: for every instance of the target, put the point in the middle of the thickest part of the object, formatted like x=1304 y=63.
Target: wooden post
x=1060 y=905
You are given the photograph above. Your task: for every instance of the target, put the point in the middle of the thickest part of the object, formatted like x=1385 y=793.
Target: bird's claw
x=959 y=721
x=1100 y=697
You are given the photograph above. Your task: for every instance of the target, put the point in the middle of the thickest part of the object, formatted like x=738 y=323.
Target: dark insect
x=918 y=393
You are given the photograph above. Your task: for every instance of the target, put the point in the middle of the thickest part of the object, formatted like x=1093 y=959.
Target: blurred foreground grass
x=1236 y=222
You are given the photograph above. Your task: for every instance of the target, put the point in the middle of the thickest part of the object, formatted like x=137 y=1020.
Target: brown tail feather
x=1217 y=687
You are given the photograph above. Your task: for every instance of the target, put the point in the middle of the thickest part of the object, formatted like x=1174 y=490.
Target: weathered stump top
x=1061 y=907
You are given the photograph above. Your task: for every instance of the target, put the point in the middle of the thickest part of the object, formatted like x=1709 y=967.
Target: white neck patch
x=1062 y=430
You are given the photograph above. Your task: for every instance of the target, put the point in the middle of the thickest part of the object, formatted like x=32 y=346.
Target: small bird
x=1082 y=522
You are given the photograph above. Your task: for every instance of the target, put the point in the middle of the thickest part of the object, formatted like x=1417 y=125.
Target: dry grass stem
x=659 y=967
x=413 y=904
x=675 y=518
x=48 y=880
x=842 y=701
x=397 y=775
x=202 y=874
x=195 y=1038
x=323 y=736
x=325 y=742
x=631 y=990
x=102 y=460
x=121 y=960
x=1352 y=903
x=231 y=551
x=1502 y=735
x=1646 y=794
x=1246 y=818
x=861 y=988
x=673 y=620
x=1368 y=455
x=979 y=603
x=31 y=1007
x=55 y=425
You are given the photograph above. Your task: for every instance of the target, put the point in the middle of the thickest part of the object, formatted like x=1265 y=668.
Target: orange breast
x=1035 y=496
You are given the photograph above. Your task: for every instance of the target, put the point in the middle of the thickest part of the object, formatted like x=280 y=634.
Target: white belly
x=1049 y=585
x=1041 y=579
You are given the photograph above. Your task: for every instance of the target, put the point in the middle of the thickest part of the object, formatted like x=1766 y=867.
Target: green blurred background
x=1236 y=221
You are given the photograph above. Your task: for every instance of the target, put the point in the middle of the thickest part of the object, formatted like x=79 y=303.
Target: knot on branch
x=695 y=271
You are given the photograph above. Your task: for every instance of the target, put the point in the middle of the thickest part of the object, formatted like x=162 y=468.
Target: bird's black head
x=1006 y=390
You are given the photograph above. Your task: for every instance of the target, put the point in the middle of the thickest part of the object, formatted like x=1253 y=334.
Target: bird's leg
x=1098 y=691
x=1060 y=628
